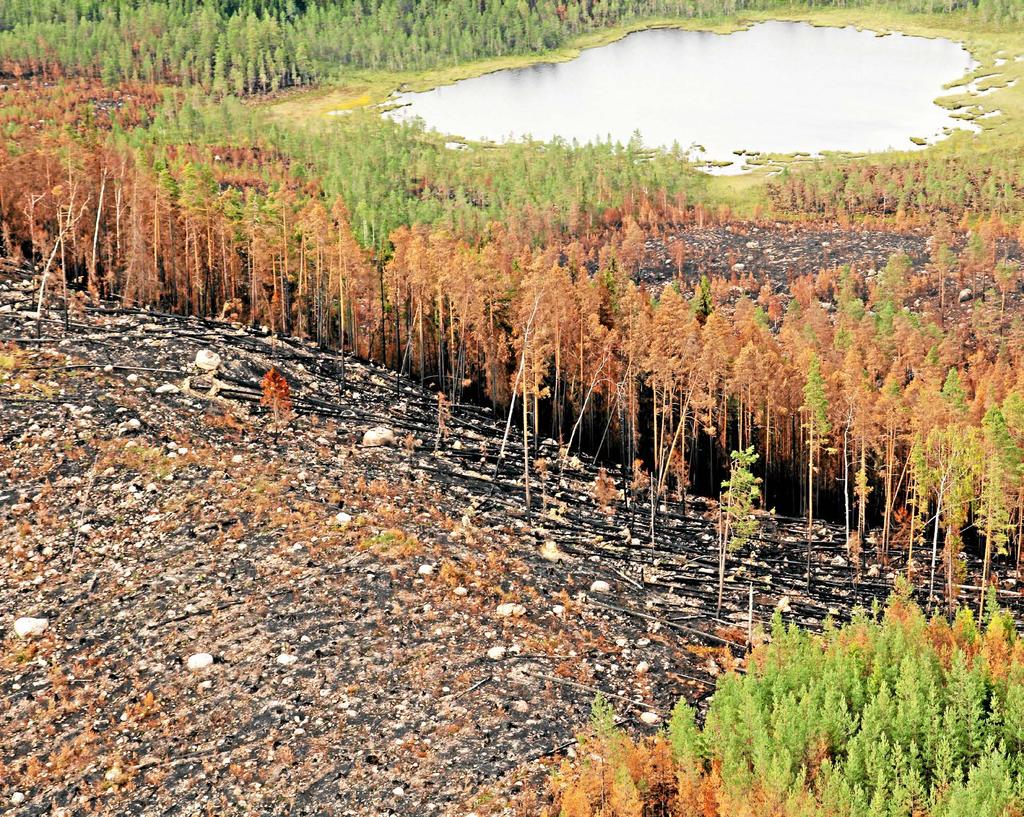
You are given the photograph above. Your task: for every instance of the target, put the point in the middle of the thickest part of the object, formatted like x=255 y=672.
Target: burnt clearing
x=392 y=631
x=779 y=252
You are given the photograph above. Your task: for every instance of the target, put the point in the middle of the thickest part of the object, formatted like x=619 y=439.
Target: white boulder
x=27 y=627
x=379 y=436
x=600 y=586
x=552 y=553
x=207 y=360
x=199 y=661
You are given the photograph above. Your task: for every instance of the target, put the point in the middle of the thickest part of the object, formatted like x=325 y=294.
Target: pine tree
x=815 y=407
x=739 y=495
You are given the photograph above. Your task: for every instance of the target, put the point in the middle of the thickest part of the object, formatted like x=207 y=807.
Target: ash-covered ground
x=257 y=615
x=391 y=660
x=780 y=252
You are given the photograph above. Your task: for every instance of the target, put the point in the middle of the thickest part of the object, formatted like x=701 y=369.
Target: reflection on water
x=776 y=87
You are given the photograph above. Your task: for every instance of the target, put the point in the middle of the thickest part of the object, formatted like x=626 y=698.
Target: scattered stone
x=461 y=591
x=642 y=667
x=550 y=551
x=510 y=610
x=558 y=610
x=238 y=459
x=966 y=294
x=342 y=518
x=379 y=436
x=783 y=605
x=521 y=706
x=838 y=561
x=287 y=659
x=650 y=718
x=27 y=627
x=426 y=570
x=496 y=653
x=199 y=661
x=17 y=798
x=167 y=388
x=873 y=571
x=600 y=586
x=207 y=360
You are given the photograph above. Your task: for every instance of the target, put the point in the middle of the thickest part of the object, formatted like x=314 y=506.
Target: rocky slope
x=243 y=613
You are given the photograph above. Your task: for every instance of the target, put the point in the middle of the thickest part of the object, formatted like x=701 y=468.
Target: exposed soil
x=151 y=511
x=781 y=252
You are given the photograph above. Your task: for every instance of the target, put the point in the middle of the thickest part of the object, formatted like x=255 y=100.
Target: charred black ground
x=149 y=512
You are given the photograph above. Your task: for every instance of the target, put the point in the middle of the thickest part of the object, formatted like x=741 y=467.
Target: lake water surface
x=776 y=87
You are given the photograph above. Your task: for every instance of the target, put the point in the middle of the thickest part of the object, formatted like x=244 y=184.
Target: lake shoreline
x=367 y=87
x=999 y=114
x=811 y=90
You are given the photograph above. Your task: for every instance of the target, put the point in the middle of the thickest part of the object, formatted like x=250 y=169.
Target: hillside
x=386 y=624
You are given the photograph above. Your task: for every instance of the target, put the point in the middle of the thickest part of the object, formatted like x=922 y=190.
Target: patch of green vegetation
x=890 y=715
x=391 y=544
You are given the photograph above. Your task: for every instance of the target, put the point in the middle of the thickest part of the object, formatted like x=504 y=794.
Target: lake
x=775 y=87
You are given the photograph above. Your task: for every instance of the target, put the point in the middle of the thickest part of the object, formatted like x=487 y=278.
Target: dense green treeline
x=252 y=46
x=393 y=174
x=926 y=183
x=889 y=716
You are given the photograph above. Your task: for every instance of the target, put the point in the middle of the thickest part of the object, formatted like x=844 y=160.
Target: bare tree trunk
x=846 y=478
x=750 y=619
x=810 y=501
x=93 y=288
x=935 y=540
x=526 y=449
x=58 y=242
x=722 y=538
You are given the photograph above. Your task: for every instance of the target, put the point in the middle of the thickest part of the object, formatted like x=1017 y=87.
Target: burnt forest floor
x=391 y=632
x=780 y=252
